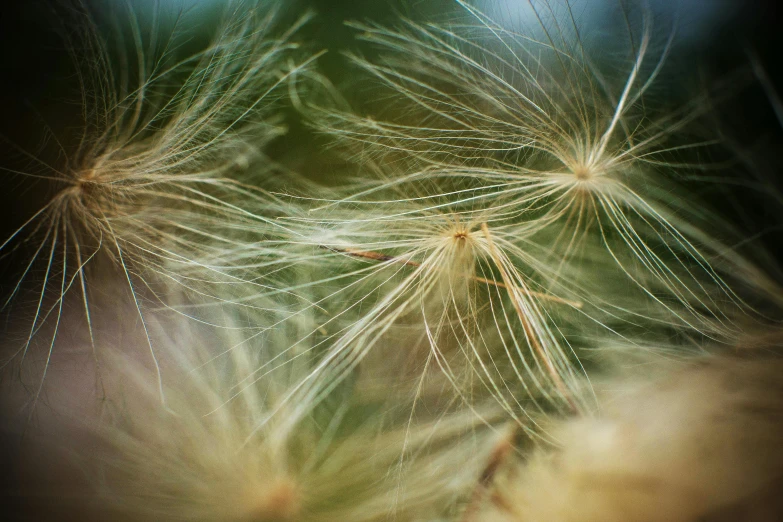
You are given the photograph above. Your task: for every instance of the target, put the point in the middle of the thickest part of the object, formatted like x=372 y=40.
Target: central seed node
x=582 y=173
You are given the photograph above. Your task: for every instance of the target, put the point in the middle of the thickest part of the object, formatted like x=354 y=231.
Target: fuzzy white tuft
x=698 y=441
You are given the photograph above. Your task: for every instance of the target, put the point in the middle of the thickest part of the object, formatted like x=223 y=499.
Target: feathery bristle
x=155 y=186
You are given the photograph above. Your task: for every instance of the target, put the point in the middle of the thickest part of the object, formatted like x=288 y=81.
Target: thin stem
x=497 y=458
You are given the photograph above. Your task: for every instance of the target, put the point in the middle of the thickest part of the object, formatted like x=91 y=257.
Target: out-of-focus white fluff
x=227 y=443
x=699 y=442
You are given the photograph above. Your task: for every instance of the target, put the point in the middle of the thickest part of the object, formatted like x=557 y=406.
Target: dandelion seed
x=152 y=187
x=473 y=321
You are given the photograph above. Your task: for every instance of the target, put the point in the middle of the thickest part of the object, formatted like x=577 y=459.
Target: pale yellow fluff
x=698 y=442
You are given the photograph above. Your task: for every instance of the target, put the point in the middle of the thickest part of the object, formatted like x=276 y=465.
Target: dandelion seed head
x=460 y=244
x=585 y=179
x=583 y=173
x=461 y=235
